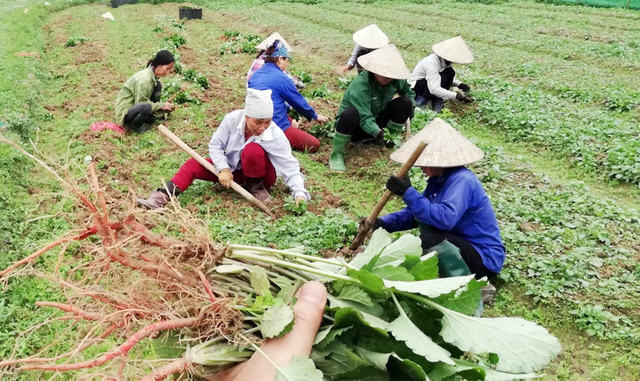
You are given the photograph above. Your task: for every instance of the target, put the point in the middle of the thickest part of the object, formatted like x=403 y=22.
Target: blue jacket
x=270 y=77
x=455 y=202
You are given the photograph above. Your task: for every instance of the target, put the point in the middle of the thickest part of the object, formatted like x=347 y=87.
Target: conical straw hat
x=371 y=37
x=269 y=40
x=386 y=62
x=454 y=50
x=446 y=147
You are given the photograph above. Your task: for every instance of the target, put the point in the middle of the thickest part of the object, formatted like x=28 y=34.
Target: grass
x=556 y=214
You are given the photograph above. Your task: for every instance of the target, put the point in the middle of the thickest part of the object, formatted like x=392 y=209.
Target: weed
x=76 y=40
x=238 y=43
x=183 y=97
x=176 y=40
x=196 y=77
x=298 y=210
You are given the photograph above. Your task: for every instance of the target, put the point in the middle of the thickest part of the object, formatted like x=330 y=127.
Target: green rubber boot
x=450 y=261
x=141 y=124
x=395 y=128
x=336 y=160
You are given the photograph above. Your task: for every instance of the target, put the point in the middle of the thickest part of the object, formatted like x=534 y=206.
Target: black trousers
x=446 y=81
x=431 y=237
x=144 y=109
x=397 y=111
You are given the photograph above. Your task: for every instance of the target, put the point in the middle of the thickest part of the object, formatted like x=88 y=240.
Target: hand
x=345 y=69
x=322 y=119
x=295 y=123
x=363 y=222
x=312 y=298
x=168 y=106
x=397 y=185
x=460 y=95
x=464 y=87
x=226 y=178
x=300 y=199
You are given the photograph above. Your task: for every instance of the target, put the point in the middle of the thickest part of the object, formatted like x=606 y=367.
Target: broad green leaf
x=364 y=373
x=328 y=337
x=465 y=300
x=229 y=269
x=282 y=281
x=442 y=371
x=521 y=345
x=300 y=368
x=287 y=293
x=427 y=268
x=371 y=320
x=341 y=359
x=379 y=360
x=355 y=293
x=405 y=369
x=393 y=273
x=379 y=240
x=367 y=280
x=275 y=321
x=328 y=267
x=403 y=329
x=259 y=280
x=431 y=288
x=395 y=253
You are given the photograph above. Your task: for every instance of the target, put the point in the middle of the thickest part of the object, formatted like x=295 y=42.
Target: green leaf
x=465 y=300
x=405 y=369
x=466 y=369
x=276 y=321
x=395 y=253
x=369 y=319
x=393 y=273
x=367 y=280
x=431 y=288
x=364 y=373
x=426 y=269
x=287 y=293
x=259 y=280
x=327 y=336
x=403 y=329
x=379 y=240
x=379 y=360
x=300 y=368
x=355 y=293
x=522 y=346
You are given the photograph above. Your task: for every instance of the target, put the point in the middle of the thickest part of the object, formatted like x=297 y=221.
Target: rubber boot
x=395 y=128
x=257 y=189
x=160 y=197
x=336 y=160
x=450 y=262
x=141 y=124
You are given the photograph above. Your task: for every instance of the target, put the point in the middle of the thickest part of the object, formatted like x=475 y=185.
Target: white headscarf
x=258 y=104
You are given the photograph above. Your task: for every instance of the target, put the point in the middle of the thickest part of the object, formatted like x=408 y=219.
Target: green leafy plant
x=321 y=91
x=76 y=40
x=196 y=77
x=238 y=43
x=593 y=319
x=176 y=40
x=344 y=82
x=298 y=210
x=183 y=97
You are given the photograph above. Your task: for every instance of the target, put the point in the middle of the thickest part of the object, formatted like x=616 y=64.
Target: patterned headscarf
x=280 y=50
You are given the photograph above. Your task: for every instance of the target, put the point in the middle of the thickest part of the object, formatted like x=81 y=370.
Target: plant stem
x=288 y=253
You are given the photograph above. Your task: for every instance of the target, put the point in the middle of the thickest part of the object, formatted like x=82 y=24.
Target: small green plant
x=303 y=76
x=319 y=92
x=157 y=29
x=196 y=77
x=238 y=43
x=298 y=210
x=185 y=97
x=176 y=40
x=593 y=319
x=178 y=68
x=344 y=82
x=76 y=40
x=171 y=87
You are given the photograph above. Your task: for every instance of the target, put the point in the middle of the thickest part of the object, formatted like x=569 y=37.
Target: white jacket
x=430 y=68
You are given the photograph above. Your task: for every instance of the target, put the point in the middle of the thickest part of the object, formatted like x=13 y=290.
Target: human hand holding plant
x=168 y=106
x=322 y=119
x=308 y=311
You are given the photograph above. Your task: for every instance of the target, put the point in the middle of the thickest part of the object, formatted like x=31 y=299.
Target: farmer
x=369 y=107
x=367 y=40
x=262 y=54
x=434 y=76
x=454 y=214
x=138 y=101
x=247 y=147
x=308 y=310
x=284 y=93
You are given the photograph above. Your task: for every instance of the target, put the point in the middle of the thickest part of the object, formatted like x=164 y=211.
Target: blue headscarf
x=280 y=50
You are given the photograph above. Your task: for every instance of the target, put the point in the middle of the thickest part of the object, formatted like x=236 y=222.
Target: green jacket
x=137 y=89
x=370 y=98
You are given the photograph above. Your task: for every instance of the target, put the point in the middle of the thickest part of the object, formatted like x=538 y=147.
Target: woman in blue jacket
x=454 y=207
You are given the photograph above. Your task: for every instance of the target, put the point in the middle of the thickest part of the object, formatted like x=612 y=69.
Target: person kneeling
x=454 y=213
x=248 y=147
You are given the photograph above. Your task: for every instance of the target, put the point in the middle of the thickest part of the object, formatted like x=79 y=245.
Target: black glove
x=376 y=224
x=397 y=185
x=464 y=87
x=379 y=141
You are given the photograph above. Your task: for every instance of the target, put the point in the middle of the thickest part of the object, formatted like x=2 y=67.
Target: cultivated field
x=556 y=92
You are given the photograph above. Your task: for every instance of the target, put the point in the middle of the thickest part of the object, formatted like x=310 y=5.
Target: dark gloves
x=376 y=224
x=464 y=87
x=397 y=185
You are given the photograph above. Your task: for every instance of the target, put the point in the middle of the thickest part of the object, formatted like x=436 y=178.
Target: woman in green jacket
x=139 y=98
x=368 y=107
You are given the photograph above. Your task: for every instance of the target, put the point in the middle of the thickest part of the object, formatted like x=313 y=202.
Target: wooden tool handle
x=364 y=228
x=236 y=187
